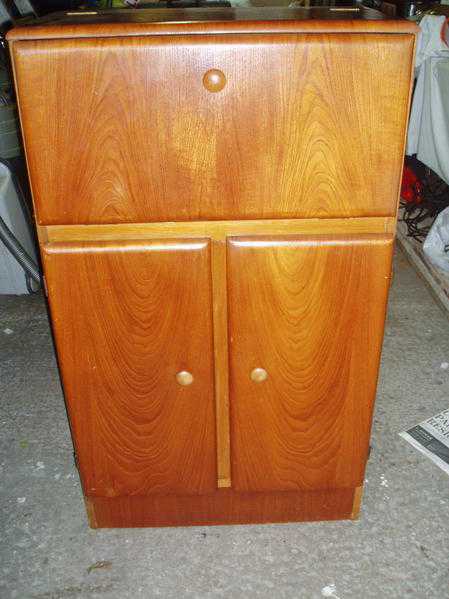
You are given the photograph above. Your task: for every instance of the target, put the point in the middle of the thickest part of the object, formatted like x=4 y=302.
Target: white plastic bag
x=437 y=239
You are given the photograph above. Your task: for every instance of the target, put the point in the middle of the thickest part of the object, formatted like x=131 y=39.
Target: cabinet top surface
x=256 y=17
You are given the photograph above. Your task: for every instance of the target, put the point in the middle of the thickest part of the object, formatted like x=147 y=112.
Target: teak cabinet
x=216 y=204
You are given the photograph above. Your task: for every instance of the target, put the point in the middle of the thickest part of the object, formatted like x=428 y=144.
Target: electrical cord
x=435 y=198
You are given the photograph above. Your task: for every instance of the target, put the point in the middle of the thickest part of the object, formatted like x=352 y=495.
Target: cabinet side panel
x=310 y=312
x=127 y=318
x=124 y=130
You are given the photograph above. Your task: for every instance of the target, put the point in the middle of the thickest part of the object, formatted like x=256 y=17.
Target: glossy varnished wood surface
x=210 y=20
x=310 y=311
x=142 y=168
x=225 y=506
x=127 y=317
x=302 y=128
x=216 y=229
x=221 y=361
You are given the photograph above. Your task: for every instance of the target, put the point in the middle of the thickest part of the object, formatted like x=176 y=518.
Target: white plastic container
x=12 y=275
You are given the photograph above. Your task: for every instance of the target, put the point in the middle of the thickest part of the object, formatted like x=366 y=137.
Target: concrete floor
x=399 y=548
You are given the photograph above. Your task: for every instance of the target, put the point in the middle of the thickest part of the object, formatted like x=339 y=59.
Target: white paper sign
x=431 y=437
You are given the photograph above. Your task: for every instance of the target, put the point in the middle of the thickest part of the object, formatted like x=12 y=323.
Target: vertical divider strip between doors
x=221 y=358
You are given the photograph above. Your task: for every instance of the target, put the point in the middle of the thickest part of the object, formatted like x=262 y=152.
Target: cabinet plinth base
x=223 y=507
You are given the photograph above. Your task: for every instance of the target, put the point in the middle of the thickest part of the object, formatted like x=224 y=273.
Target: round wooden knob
x=214 y=80
x=184 y=378
x=258 y=375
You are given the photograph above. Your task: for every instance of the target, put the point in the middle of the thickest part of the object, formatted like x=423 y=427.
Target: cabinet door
x=128 y=317
x=308 y=313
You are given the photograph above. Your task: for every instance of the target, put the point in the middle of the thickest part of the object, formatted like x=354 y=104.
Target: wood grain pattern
x=225 y=506
x=127 y=317
x=302 y=128
x=189 y=238
x=226 y=20
x=221 y=362
x=216 y=229
x=310 y=311
x=358 y=495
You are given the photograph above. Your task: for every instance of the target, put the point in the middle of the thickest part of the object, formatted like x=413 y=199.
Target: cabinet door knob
x=184 y=378
x=214 y=80
x=258 y=375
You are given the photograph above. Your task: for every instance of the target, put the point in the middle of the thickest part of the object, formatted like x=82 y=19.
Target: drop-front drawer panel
x=162 y=128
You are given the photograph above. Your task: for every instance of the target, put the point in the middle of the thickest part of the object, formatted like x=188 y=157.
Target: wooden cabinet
x=215 y=204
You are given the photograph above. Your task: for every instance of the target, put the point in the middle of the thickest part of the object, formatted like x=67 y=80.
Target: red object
x=411 y=187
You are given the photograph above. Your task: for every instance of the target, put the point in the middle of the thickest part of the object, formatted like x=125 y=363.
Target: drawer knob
x=214 y=80
x=184 y=378
x=258 y=375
